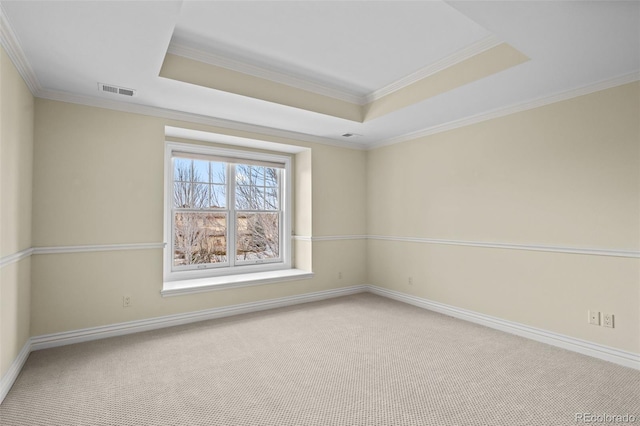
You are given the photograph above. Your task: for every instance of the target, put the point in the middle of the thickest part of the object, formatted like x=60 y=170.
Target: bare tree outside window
x=227 y=212
x=257 y=217
x=200 y=228
x=201 y=213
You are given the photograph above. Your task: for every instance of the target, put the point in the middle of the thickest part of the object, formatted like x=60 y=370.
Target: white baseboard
x=617 y=356
x=120 y=329
x=12 y=373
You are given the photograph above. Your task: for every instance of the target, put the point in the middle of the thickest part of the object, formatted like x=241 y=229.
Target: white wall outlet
x=607 y=320
x=126 y=301
x=410 y=280
x=594 y=317
x=340 y=275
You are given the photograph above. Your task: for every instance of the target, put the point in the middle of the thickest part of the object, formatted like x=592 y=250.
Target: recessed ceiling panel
x=356 y=47
x=368 y=48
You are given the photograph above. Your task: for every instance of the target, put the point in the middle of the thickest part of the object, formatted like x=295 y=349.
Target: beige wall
x=98 y=179
x=16 y=166
x=339 y=186
x=567 y=174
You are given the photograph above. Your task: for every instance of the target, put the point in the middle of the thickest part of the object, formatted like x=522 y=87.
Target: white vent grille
x=109 y=88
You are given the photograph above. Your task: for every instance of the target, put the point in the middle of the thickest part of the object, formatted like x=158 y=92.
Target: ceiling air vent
x=109 y=88
x=350 y=135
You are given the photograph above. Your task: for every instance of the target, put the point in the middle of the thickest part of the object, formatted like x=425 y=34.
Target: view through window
x=225 y=212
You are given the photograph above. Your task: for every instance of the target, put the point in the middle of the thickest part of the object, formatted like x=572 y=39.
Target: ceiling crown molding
x=444 y=63
x=189 y=117
x=11 y=44
x=501 y=112
x=241 y=66
x=244 y=67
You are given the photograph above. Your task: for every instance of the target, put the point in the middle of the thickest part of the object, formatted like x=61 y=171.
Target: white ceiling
x=353 y=48
x=342 y=45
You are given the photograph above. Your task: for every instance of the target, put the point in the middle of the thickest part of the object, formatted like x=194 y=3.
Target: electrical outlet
x=607 y=320
x=594 y=317
x=126 y=301
x=410 y=280
x=340 y=275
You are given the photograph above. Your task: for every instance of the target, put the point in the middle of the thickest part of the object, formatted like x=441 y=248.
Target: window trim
x=170 y=275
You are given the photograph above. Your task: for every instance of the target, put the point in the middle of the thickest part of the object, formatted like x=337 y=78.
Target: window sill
x=176 y=288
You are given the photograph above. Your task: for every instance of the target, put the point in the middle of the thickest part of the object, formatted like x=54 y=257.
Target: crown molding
x=236 y=64
x=171 y=114
x=11 y=44
x=501 y=112
x=269 y=131
x=241 y=66
x=459 y=56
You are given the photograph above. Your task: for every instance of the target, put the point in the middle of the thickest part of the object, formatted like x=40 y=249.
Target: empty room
x=319 y=213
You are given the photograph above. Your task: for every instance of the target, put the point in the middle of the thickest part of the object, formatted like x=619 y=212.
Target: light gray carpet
x=357 y=360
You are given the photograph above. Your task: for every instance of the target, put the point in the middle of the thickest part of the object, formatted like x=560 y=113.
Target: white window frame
x=179 y=274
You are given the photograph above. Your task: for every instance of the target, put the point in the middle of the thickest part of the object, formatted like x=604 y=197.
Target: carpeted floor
x=356 y=360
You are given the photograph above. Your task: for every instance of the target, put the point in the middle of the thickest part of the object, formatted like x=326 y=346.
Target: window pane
x=200 y=172
x=257 y=188
x=271 y=177
x=188 y=195
x=271 y=199
x=218 y=172
x=243 y=174
x=218 y=197
x=181 y=167
x=200 y=238
x=258 y=198
x=257 y=236
x=258 y=173
x=246 y=198
x=199 y=184
x=185 y=170
x=181 y=194
x=200 y=196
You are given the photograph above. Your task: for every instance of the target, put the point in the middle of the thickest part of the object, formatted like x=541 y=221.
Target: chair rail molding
x=509 y=246
x=16 y=257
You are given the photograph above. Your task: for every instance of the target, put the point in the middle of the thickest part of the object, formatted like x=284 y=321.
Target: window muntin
x=228 y=214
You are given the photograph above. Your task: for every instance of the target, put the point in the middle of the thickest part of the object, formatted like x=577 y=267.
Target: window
x=227 y=212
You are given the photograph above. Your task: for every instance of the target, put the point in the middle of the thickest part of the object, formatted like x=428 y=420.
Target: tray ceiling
x=383 y=70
